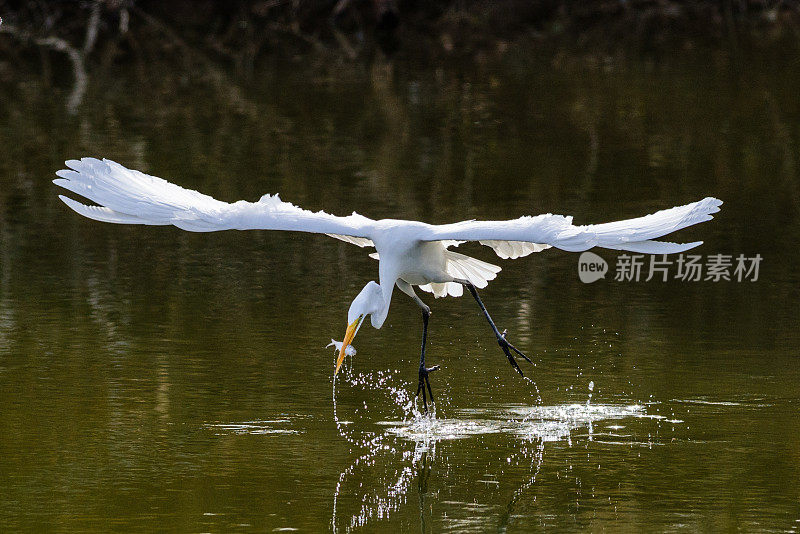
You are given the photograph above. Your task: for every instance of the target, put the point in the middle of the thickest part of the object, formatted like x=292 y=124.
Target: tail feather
x=465 y=268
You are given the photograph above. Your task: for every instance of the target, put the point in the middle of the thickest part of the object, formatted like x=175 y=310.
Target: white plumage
x=131 y=197
x=410 y=253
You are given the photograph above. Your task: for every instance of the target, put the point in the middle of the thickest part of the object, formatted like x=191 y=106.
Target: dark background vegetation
x=242 y=33
x=66 y=43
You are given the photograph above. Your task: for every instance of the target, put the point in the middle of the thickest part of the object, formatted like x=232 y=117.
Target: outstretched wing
x=519 y=237
x=127 y=196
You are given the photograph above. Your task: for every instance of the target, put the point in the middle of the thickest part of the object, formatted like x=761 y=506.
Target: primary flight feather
x=410 y=253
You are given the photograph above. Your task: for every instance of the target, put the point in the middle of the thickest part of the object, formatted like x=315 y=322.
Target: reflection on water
x=277 y=426
x=403 y=453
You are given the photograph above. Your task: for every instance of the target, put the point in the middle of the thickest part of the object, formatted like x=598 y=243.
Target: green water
x=158 y=380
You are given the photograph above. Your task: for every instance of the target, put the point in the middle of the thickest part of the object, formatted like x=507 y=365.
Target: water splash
x=383 y=382
x=548 y=423
x=397 y=444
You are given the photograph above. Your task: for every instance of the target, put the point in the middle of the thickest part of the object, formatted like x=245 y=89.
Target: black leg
x=501 y=338
x=424 y=381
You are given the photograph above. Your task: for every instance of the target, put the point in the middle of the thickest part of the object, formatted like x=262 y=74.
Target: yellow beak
x=348 y=338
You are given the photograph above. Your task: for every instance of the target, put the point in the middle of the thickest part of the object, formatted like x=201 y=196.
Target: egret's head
x=369 y=302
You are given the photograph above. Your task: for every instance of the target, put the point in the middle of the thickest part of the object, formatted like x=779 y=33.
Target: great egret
x=410 y=253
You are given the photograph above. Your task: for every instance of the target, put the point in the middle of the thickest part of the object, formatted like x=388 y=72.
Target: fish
x=349 y=351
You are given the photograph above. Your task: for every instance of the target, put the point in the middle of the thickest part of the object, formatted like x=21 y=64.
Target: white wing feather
x=511 y=250
x=127 y=196
x=635 y=235
x=358 y=241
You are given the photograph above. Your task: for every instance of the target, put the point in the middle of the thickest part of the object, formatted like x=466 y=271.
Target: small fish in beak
x=337 y=345
x=352 y=330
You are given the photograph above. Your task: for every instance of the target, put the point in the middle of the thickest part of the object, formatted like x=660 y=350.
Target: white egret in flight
x=410 y=253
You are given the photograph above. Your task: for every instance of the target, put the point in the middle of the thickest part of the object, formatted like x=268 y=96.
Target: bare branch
x=91 y=28
x=75 y=56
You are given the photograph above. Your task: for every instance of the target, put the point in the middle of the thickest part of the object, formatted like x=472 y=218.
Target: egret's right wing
x=522 y=236
x=128 y=196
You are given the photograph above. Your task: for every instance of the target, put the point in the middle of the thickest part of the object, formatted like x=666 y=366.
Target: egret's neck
x=387 y=288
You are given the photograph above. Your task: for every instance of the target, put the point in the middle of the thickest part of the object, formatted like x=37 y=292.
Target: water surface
x=153 y=379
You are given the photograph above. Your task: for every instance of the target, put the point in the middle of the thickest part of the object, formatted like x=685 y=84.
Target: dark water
x=153 y=379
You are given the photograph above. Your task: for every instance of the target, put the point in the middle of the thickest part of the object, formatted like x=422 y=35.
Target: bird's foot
x=425 y=383
x=508 y=348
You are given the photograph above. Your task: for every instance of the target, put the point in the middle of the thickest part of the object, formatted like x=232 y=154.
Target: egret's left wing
x=519 y=237
x=128 y=196
x=357 y=241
